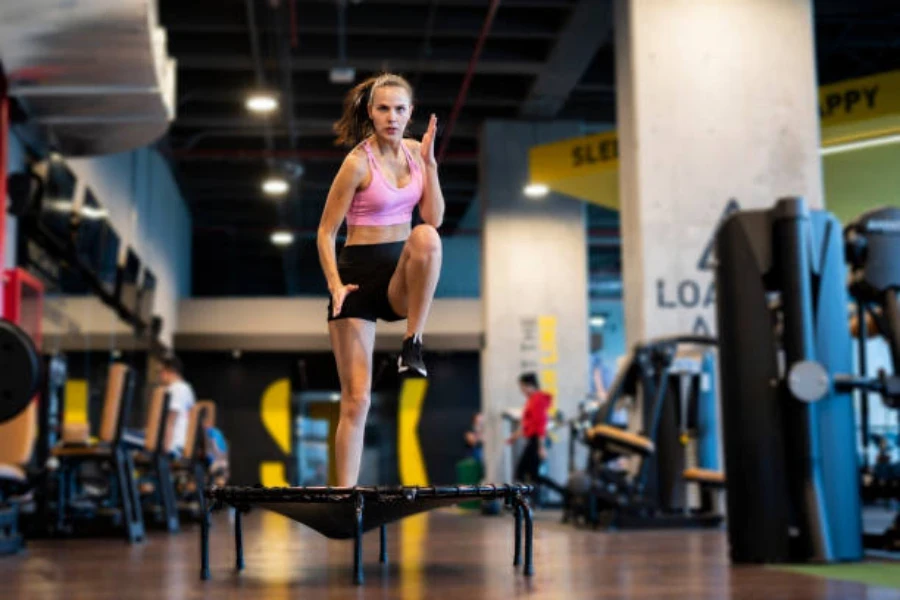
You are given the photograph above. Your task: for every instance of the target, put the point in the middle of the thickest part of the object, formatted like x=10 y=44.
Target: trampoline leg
x=383 y=555
x=238 y=541
x=204 y=546
x=529 y=539
x=357 y=543
x=517 y=557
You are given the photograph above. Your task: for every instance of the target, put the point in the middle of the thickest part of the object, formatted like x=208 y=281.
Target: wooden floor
x=444 y=554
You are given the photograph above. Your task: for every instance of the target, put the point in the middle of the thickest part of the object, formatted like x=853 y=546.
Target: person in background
x=532 y=427
x=475 y=438
x=181 y=400
x=601 y=375
x=217 y=463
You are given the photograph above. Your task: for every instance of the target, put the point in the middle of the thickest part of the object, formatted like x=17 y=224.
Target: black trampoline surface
x=331 y=510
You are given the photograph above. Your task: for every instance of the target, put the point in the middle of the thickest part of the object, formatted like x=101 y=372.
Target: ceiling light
x=275 y=186
x=342 y=75
x=282 y=238
x=262 y=103
x=90 y=212
x=536 y=190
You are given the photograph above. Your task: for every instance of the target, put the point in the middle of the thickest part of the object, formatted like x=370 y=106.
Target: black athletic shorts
x=370 y=266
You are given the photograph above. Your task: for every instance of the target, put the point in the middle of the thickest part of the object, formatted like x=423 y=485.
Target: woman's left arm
x=431 y=207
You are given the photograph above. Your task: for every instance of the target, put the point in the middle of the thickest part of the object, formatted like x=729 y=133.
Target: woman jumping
x=386 y=270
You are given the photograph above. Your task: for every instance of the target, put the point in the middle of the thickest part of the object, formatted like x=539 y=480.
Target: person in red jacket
x=532 y=427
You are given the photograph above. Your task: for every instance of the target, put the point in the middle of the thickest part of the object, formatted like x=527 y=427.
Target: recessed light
x=282 y=238
x=261 y=103
x=536 y=190
x=275 y=186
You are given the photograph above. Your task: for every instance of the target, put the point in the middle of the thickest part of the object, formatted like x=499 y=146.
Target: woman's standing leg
x=353 y=341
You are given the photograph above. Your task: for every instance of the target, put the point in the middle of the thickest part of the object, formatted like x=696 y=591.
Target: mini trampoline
x=345 y=513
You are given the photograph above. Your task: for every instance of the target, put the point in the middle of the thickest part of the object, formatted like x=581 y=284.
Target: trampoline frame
x=242 y=499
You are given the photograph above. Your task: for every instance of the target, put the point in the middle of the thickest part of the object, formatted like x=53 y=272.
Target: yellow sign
x=549 y=357
x=860 y=108
x=585 y=167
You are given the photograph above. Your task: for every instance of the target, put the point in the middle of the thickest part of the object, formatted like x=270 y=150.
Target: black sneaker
x=410 y=360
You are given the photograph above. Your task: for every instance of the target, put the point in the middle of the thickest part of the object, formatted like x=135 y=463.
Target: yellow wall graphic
x=549 y=356
x=76 y=403
x=409 y=450
x=275 y=414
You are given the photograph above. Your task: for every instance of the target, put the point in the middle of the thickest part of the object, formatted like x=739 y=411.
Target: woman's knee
x=355 y=406
x=425 y=239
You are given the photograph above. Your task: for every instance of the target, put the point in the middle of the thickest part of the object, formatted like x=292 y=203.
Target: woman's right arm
x=345 y=183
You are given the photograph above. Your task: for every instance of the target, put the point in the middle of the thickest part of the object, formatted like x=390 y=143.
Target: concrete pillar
x=717 y=108
x=534 y=288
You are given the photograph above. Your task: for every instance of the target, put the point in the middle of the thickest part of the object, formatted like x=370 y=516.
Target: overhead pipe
x=467 y=79
x=285 y=55
x=294 y=34
x=425 y=51
x=257 y=64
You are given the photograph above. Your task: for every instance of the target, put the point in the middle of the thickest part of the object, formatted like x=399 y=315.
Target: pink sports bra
x=382 y=203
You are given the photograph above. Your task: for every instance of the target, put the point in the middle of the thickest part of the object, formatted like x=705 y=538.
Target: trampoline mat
x=332 y=511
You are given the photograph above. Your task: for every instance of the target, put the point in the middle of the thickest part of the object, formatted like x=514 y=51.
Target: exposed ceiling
x=541 y=59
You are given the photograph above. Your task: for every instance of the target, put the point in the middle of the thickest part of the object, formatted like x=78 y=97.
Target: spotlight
x=275 y=186
x=261 y=103
x=536 y=190
x=282 y=238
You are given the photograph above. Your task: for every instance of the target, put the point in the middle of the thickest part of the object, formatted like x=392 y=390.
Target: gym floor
x=442 y=554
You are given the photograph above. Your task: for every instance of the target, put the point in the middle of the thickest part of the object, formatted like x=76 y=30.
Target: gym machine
x=21 y=378
x=786 y=365
x=872 y=251
x=677 y=405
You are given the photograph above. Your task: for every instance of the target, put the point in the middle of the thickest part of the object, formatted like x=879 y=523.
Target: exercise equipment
x=872 y=244
x=872 y=252
x=668 y=391
x=111 y=455
x=20 y=377
x=789 y=438
x=349 y=512
x=21 y=372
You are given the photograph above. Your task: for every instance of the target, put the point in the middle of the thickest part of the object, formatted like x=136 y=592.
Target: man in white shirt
x=181 y=399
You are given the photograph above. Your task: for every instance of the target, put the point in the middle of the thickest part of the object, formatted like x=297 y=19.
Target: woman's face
x=390 y=112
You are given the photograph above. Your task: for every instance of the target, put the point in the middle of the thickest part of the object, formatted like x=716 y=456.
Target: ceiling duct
x=93 y=76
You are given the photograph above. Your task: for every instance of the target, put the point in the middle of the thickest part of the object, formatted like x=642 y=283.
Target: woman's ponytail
x=354 y=124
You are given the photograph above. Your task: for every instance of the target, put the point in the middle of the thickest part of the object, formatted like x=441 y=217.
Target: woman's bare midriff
x=359 y=235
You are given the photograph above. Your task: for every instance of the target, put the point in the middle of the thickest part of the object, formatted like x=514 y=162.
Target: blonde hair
x=354 y=125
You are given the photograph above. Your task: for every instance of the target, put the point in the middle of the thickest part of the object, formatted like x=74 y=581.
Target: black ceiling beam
x=230 y=95
x=321 y=127
x=589 y=28
x=335 y=156
x=413 y=31
x=230 y=188
x=554 y=4
x=240 y=62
